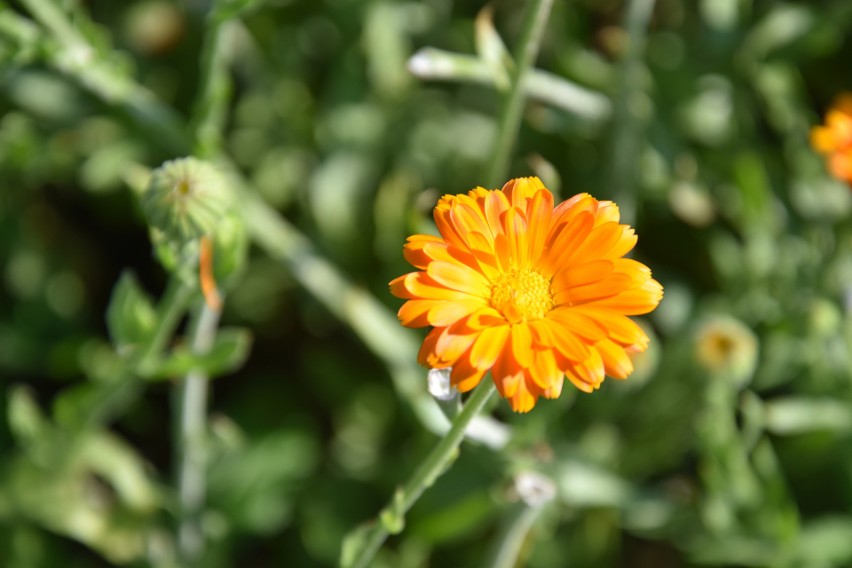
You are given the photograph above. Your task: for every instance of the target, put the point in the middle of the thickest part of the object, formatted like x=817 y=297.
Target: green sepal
x=230 y=249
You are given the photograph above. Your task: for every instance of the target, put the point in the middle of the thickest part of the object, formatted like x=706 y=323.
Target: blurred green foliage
x=730 y=446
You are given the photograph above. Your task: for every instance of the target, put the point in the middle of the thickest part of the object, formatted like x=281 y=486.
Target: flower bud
x=185 y=200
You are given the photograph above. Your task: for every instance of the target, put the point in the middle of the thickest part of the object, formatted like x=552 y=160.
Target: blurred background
x=730 y=445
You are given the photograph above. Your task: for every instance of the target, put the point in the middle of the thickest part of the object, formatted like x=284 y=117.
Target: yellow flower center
x=522 y=295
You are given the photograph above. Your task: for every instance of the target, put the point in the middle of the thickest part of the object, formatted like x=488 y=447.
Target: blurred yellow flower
x=530 y=292
x=834 y=138
x=726 y=347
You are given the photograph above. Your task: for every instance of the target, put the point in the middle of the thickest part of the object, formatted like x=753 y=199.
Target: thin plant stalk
x=191 y=410
x=81 y=61
x=529 y=43
x=628 y=110
x=212 y=105
x=192 y=390
x=510 y=540
x=391 y=517
x=170 y=309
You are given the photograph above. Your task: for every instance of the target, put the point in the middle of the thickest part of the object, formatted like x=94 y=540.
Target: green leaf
x=492 y=50
x=256 y=486
x=229 y=352
x=130 y=315
x=26 y=420
x=353 y=543
x=801 y=415
x=89 y=404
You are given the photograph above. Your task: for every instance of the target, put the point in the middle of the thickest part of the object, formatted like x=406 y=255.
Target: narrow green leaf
x=130 y=316
x=491 y=49
x=227 y=354
x=26 y=420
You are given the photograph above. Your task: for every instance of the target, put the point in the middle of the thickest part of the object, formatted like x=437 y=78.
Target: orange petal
x=610 y=286
x=488 y=347
x=444 y=313
x=544 y=371
x=427 y=355
x=524 y=398
x=444 y=222
x=420 y=286
x=633 y=302
x=568 y=344
x=823 y=140
x=413 y=251
x=840 y=165
x=582 y=274
x=564 y=240
x=451 y=344
x=459 y=277
x=464 y=377
x=496 y=204
x=538 y=216
x=515 y=226
x=484 y=318
x=607 y=212
x=621 y=329
x=568 y=210
x=507 y=375
x=578 y=382
x=591 y=370
x=520 y=190
x=413 y=313
x=617 y=363
x=467 y=217
x=575 y=321
x=555 y=389
x=601 y=240
x=507 y=385
x=521 y=343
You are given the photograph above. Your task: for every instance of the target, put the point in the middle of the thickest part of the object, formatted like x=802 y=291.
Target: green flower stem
x=48 y=13
x=535 y=21
x=391 y=517
x=629 y=110
x=209 y=118
x=80 y=60
x=170 y=309
x=510 y=539
x=211 y=108
x=191 y=411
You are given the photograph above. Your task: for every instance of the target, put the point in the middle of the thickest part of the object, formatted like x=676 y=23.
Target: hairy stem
x=435 y=464
x=191 y=411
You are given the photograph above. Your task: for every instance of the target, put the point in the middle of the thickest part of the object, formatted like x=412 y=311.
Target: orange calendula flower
x=834 y=138
x=530 y=292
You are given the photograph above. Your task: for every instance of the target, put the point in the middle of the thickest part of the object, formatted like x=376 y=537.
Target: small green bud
x=186 y=199
x=727 y=348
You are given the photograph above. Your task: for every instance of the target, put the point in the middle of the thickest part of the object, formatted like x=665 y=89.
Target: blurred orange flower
x=834 y=138
x=530 y=292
